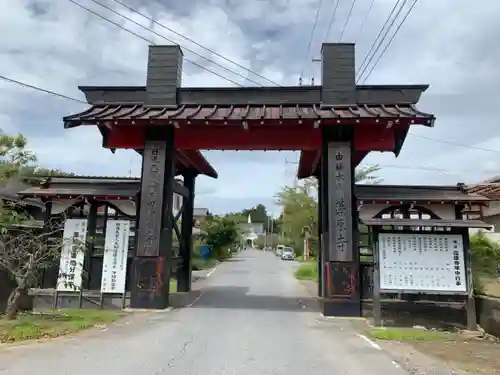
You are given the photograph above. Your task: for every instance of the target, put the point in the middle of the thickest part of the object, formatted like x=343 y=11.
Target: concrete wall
x=488 y=314
x=495 y=221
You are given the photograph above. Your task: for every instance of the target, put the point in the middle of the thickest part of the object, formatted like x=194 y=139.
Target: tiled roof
x=490 y=190
x=250 y=112
x=427 y=223
x=408 y=193
x=76 y=191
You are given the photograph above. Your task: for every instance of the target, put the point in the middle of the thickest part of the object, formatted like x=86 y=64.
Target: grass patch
x=307 y=271
x=202 y=264
x=53 y=323
x=408 y=334
x=173 y=285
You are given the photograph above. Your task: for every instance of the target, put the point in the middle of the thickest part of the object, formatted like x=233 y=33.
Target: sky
x=452 y=45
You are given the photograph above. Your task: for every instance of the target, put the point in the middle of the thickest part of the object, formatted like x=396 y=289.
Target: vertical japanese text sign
x=72 y=255
x=150 y=217
x=114 y=265
x=340 y=202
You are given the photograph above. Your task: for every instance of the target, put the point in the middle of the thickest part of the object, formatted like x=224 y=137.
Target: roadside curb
x=134 y=310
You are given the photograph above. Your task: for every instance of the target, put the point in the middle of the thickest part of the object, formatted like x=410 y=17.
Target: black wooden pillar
x=470 y=302
x=320 y=241
x=186 y=243
x=339 y=245
x=153 y=258
x=89 y=249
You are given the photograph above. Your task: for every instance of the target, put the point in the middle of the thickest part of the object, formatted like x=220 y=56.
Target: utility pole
x=295 y=179
x=271 y=231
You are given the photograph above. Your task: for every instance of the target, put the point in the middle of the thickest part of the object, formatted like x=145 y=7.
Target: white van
x=279 y=250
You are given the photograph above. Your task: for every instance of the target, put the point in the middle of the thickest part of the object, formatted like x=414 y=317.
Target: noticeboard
x=422 y=263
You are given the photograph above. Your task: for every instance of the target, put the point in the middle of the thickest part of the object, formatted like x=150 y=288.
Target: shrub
x=485 y=255
x=307 y=271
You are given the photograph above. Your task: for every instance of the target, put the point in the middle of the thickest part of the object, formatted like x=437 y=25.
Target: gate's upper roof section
x=364 y=94
x=163 y=98
x=391 y=109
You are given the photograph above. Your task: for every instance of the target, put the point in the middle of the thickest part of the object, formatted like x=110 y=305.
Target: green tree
x=365 y=174
x=24 y=251
x=221 y=233
x=258 y=214
x=300 y=210
x=14 y=157
x=18 y=164
x=485 y=255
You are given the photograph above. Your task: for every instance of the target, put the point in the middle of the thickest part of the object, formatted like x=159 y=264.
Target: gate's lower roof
x=116 y=113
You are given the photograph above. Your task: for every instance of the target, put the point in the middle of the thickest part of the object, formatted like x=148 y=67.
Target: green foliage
x=485 y=256
x=300 y=215
x=17 y=163
x=365 y=174
x=14 y=156
x=258 y=214
x=300 y=211
x=221 y=233
x=307 y=271
x=272 y=240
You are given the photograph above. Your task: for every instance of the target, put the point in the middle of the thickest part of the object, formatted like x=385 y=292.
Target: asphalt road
x=253 y=318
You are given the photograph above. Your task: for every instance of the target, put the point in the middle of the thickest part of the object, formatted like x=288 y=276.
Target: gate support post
x=185 y=269
x=152 y=265
x=339 y=221
x=320 y=240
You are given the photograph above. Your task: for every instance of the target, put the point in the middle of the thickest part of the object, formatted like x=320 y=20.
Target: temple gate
x=334 y=125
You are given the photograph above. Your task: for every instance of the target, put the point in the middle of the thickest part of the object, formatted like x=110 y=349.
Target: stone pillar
x=185 y=269
x=340 y=250
x=153 y=258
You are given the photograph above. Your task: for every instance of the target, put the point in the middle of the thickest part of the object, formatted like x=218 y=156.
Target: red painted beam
x=198 y=162
x=309 y=162
x=268 y=137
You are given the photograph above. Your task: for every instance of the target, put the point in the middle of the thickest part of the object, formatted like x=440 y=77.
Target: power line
x=150 y=41
x=347 y=20
x=332 y=19
x=365 y=59
x=170 y=40
x=320 y=2
x=54 y=93
x=454 y=143
x=11 y=80
x=431 y=169
x=383 y=38
x=366 y=18
x=390 y=40
x=195 y=42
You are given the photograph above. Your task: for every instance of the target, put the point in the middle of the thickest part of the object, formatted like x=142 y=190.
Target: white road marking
x=201 y=293
x=212 y=271
x=195 y=300
x=373 y=344
x=396 y=364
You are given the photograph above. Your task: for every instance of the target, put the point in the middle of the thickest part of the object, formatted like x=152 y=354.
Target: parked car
x=279 y=249
x=287 y=254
